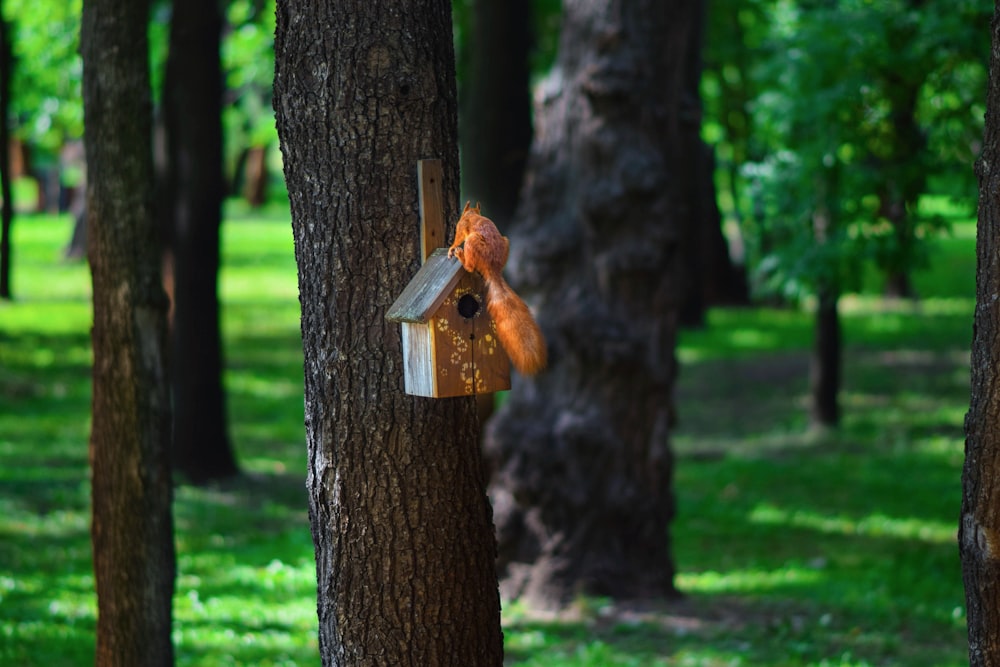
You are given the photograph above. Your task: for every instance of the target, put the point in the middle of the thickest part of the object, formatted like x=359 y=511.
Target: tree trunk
x=496 y=105
x=132 y=528
x=711 y=278
x=978 y=540
x=193 y=208
x=255 y=176
x=580 y=453
x=824 y=370
x=400 y=520
x=905 y=179
x=7 y=209
x=904 y=163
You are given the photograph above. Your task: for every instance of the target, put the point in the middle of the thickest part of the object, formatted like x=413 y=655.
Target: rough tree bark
x=400 y=519
x=192 y=214
x=132 y=528
x=580 y=454
x=979 y=531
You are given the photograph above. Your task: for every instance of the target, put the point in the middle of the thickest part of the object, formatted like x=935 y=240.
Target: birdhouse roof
x=428 y=289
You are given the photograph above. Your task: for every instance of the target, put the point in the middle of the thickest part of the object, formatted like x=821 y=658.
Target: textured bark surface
x=979 y=531
x=132 y=529
x=400 y=519
x=580 y=454
x=192 y=210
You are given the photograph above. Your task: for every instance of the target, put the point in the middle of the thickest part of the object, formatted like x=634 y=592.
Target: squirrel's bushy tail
x=516 y=328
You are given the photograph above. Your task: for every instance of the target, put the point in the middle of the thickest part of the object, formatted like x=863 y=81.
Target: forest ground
x=793 y=547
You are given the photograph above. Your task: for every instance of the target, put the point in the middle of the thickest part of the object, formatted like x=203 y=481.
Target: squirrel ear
x=479 y=207
x=468 y=205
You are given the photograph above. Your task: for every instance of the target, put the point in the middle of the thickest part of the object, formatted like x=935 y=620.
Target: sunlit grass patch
x=876 y=524
x=732 y=582
x=744 y=331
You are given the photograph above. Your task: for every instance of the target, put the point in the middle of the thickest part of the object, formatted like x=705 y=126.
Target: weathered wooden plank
x=428 y=289
x=430 y=173
x=418 y=355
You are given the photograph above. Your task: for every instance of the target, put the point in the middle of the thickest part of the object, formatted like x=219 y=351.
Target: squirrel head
x=469 y=207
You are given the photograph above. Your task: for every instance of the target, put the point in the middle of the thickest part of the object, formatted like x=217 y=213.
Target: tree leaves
x=851 y=111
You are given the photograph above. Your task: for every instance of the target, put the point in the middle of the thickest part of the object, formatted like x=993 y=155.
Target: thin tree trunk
x=580 y=453
x=132 y=528
x=824 y=371
x=255 y=175
x=193 y=206
x=400 y=519
x=496 y=105
x=905 y=166
x=711 y=278
x=7 y=210
x=979 y=529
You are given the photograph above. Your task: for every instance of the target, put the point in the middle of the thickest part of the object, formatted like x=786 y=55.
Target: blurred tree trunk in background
x=7 y=210
x=132 y=528
x=979 y=531
x=192 y=213
x=495 y=124
x=255 y=175
x=711 y=278
x=903 y=173
x=582 y=467
x=902 y=160
x=400 y=519
x=825 y=362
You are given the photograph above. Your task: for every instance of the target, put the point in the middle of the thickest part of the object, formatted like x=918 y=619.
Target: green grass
x=246 y=588
x=793 y=547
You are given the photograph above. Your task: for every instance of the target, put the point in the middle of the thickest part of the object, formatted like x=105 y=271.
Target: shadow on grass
x=785 y=562
x=717 y=630
x=840 y=546
x=246 y=577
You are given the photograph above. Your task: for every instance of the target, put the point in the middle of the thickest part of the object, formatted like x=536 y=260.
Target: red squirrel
x=480 y=247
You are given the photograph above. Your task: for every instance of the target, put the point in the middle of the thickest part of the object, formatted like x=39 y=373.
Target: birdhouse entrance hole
x=468 y=306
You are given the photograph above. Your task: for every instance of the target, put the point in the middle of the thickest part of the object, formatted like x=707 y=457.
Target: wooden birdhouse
x=450 y=346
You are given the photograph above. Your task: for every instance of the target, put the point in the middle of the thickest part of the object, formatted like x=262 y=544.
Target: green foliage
x=46 y=94
x=793 y=548
x=248 y=60
x=842 y=114
x=46 y=98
